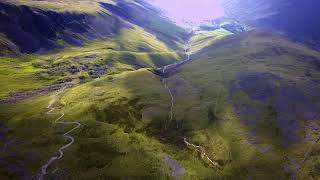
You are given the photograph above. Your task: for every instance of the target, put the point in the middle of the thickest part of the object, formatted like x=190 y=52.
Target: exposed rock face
x=36 y=30
x=298 y=19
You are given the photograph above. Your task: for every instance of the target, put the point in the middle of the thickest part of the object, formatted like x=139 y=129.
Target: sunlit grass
x=207 y=38
x=91 y=6
x=15 y=74
x=132 y=48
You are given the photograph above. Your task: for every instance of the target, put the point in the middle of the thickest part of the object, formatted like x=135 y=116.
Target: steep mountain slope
x=298 y=19
x=37 y=29
x=148 y=17
x=69 y=46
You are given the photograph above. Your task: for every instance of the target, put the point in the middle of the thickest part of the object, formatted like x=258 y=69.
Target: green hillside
x=230 y=100
x=131 y=47
x=203 y=39
x=110 y=93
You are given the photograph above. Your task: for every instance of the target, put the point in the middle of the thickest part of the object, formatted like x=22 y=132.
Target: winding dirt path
x=66 y=135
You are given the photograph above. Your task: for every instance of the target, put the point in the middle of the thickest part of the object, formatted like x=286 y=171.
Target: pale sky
x=190 y=10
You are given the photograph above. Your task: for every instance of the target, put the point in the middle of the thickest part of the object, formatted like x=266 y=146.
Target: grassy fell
x=203 y=98
x=132 y=49
x=124 y=110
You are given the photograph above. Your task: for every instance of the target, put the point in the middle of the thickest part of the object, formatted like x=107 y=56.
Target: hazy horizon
x=191 y=11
